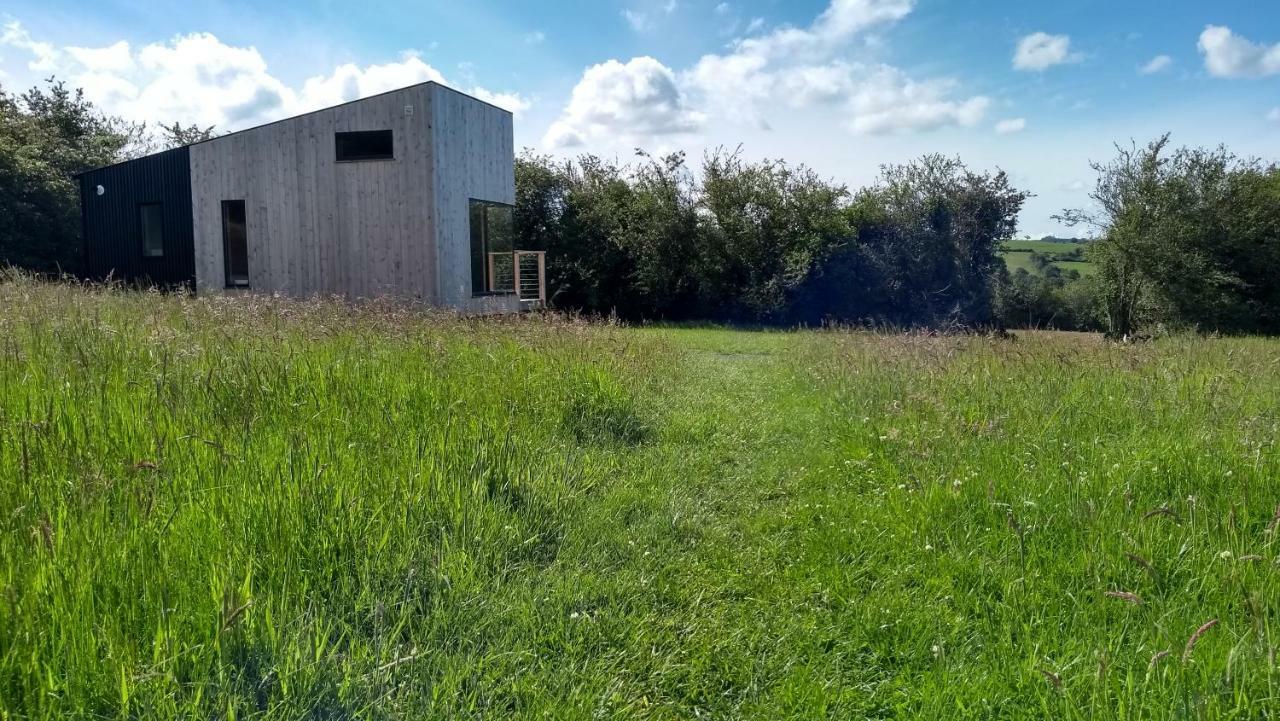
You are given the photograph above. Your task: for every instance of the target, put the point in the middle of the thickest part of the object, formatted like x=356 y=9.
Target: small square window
x=364 y=145
x=151 y=222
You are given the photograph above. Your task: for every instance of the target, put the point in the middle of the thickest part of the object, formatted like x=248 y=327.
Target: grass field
x=1017 y=254
x=258 y=508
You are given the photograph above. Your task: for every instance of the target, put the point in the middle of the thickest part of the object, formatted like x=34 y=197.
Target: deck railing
x=520 y=272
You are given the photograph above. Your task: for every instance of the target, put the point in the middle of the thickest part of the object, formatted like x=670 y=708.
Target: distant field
x=1041 y=246
x=1017 y=254
x=253 y=508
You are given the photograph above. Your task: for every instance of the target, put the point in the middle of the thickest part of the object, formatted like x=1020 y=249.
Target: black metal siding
x=112 y=224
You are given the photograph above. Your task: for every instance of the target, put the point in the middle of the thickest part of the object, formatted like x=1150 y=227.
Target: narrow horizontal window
x=364 y=145
x=151 y=221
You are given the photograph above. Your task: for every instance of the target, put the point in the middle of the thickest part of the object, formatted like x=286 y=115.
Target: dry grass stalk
x=1195 y=638
x=1141 y=562
x=1157 y=657
x=234 y=617
x=1126 y=596
x=1162 y=511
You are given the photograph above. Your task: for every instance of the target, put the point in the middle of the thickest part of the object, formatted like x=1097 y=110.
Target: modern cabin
x=408 y=194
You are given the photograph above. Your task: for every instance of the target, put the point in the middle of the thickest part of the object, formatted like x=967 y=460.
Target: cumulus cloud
x=199 y=79
x=1158 y=64
x=349 y=81
x=44 y=55
x=1041 y=51
x=787 y=67
x=115 y=58
x=1011 y=126
x=1227 y=55
x=516 y=103
x=889 y=102
x=638 y=99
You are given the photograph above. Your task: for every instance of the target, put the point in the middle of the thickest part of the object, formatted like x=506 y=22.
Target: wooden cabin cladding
x=115 y=201
x=366 y=199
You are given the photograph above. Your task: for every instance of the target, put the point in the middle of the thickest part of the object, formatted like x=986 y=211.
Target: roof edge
x=425 y=83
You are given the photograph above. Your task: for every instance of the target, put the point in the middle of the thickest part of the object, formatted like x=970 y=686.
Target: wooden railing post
x=542 y=277
x=515 y=262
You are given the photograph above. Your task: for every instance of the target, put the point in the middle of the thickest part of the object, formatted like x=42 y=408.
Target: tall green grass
x=263 y=508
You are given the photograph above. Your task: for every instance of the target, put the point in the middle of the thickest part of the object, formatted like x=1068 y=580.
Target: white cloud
x=112 y=59
x=641 y=21
x=44 y=55
x=637 y=20
x=1227 y=55
x=1011 y=126
x=803 y=67
x=638 y=99
x=516 y=103
x=199 y=79
x=1158 y=64
x=349 y=82
x=888 y=102
x=1041 y=51
x=537 y=37
x=787 y=67
x=1274 y=115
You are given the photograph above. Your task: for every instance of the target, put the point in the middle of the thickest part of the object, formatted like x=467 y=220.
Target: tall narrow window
x=151 y=221
x=235 y=244
x=492 y=246
x=364 y=145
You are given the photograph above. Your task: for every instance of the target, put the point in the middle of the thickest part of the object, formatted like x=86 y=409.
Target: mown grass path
x=257 y=508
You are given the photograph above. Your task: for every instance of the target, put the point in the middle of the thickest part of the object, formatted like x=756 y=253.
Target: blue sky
x=1037 y=89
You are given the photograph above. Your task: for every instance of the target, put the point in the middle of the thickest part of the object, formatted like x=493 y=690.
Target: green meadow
x=1017 y=254
x=244 y=508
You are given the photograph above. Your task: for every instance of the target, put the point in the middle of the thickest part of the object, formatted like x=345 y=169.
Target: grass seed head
x=1195 y=638
x=1126 y=596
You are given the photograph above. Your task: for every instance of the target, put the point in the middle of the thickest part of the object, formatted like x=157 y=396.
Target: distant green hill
x=1067 y=254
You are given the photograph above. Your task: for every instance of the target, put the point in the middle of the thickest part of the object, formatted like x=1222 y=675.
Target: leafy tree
x=176 y=135
x=46 y=137
x=766 y=226
x=1056 y=300
x=926 y=250
x=1190 y=237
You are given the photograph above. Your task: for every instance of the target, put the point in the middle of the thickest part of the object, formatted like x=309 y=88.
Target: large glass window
x=364 y=145
x=235 y=244
x=492 y=246
x=151 y=221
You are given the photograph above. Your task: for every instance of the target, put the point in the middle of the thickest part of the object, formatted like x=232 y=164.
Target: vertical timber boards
x=317 y=226
x=474 y=156
x=110 y=221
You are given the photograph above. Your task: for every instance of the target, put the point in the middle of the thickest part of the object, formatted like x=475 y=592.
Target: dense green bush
x=46 y=136
x=765 y=241
x=1189 y=238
